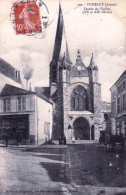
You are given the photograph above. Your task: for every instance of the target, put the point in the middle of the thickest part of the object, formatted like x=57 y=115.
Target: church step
x=81 y=141
x=77 y=141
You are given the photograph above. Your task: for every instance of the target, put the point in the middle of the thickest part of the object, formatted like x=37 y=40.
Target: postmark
x=29 y=17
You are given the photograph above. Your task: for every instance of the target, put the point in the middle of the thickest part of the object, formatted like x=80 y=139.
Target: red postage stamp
x=27 y=18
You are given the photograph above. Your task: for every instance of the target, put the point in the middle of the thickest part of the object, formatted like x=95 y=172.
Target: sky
x=102 y=34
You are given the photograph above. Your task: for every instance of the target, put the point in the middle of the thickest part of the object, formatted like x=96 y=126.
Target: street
x=80 y=169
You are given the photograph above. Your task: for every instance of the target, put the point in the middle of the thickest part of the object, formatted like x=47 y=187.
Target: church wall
x=79 y=79
x=58 y=112
x=73 y=115
x=97 y=109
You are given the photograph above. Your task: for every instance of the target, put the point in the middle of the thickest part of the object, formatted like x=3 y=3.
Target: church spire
x=92 y=63
x=59 y=33
x=93 y=70
x=60 y=46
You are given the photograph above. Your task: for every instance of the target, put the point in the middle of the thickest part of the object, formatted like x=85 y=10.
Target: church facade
x=75 y=91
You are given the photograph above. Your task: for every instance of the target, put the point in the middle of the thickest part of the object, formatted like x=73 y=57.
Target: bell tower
x=59 y=76
x=95 y=93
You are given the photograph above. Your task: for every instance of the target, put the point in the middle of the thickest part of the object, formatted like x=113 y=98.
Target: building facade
x=26 y=115
x=76 y=92
x=118 y=105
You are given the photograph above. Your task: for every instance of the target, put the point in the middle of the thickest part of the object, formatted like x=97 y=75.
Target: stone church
x=75 y=91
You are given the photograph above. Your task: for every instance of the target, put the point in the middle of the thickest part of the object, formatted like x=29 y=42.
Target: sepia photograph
x=63 y=97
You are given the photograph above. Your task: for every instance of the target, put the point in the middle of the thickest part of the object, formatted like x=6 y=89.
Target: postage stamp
x=27 y=17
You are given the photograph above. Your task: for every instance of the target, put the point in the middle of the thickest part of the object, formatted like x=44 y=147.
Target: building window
x=79 y=99
x=72 y=103
x=21 y=103
x=124 y=85
x=121 y=86
x=6 y=105
x=118 y=104
x=118 y=89
x=113 y=107
x=124 y=101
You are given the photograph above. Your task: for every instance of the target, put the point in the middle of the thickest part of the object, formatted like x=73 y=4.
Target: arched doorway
x=81 y=129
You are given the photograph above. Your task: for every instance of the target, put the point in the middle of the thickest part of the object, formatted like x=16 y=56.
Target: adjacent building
x=9 y=75
x=24 y=114
x=118 y=105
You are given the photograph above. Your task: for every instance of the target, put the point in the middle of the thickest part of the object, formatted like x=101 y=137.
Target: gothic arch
x=81 y=128
x=79 y=99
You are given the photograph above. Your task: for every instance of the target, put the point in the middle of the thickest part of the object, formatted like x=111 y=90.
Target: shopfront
x=14 y=126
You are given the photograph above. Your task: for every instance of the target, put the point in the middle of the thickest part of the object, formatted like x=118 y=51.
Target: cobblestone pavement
x=80 y=169
x=93 y=165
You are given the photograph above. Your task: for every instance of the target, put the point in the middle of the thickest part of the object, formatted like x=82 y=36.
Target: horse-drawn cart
x=110 y=140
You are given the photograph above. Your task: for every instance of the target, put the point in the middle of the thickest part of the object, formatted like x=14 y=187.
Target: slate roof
x=9 y=70
x=43 y=90
x=10 y=90
x=123 y=74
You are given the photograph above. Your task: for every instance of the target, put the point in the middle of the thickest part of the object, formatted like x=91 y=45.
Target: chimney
x=30 y=88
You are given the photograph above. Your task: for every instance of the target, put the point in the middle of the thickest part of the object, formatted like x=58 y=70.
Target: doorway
x=81 y=129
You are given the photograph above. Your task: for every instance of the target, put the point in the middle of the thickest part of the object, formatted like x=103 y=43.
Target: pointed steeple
x=93 y=70
x=60 y=46
x=92 y=63
x=78 y=59
x=58 y=38
x=79 y=69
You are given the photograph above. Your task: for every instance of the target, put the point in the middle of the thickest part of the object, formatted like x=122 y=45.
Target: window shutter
x=28 y=104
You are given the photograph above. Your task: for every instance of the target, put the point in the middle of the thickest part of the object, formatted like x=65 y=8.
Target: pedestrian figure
x=64 y=139
x=60 y=140
x=117 y=159
x=18 y=139
x=73 y=140
x=6 y=139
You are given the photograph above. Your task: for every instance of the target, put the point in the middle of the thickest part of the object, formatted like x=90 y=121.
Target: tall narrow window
x=21 y=103
x=6 y=105
x=118 y=104
x=79 y=99
x=124 y=101
x=72 y=103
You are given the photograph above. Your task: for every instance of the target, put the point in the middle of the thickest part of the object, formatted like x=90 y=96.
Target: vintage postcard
x=62 y=97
